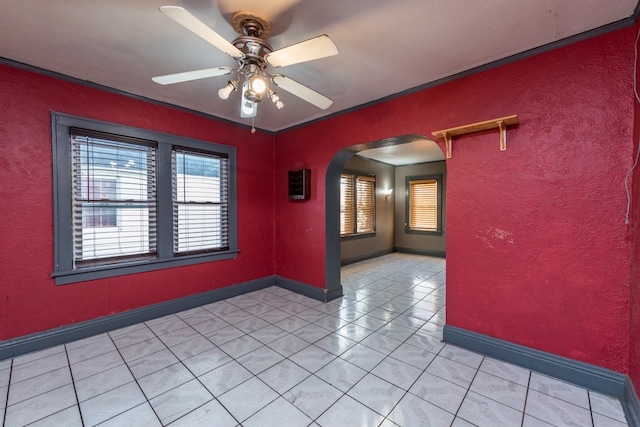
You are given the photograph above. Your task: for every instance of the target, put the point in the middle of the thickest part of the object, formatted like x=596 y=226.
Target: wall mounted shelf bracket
x=500 y=124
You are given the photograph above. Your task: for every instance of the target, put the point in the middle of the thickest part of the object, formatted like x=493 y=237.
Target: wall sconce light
x=387 y=192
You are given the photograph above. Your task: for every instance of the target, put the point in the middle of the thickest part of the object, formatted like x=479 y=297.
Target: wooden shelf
x=500 y=123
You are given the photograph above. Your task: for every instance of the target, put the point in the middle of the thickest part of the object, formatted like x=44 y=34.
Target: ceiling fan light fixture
x=224 y=92
x=252 y=96
x=248 y=107
x=258 y=84
x=276 y=100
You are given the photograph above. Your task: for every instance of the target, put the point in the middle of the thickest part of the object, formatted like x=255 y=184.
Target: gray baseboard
x=582 y=374
x=365 y=257
x=65 y=334
x=427 y=252
x=631 y=404
x=314 y=292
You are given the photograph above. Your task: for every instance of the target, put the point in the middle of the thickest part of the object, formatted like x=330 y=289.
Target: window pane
x=199 y=202
x=113 y=200
x=423 y=205
x=365 y=189
x=347 y=204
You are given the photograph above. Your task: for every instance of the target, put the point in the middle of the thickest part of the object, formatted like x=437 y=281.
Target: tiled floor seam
x=526 y=400
x=134 y=379
x=465 y=393
x=73 y=383
x=6 y=398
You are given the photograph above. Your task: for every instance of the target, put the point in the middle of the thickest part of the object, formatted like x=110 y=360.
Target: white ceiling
x=418 y=151
x=386 y=47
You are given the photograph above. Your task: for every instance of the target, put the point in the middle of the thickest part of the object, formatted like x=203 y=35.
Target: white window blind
x=423 y=204
x=114 y=198
x=200 y=202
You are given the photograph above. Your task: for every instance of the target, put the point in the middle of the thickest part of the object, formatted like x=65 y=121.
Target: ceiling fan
x=253 y=56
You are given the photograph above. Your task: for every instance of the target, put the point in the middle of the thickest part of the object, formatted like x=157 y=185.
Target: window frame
x=63 y=270
x=355 y=175
x=439 y=197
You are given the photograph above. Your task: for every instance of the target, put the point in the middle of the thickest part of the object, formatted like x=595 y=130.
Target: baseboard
x=365 y=257
x=596 y=378
x=631 y=404
x=65 y=334
x=427 y=252
x=320 y=294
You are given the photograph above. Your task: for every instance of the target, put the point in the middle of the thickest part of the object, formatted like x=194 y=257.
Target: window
x=357 y=204
x=129 y=200
x=199 y=202
x=424 y=205
x=112 y=178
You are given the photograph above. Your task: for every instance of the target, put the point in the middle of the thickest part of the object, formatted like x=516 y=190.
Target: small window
x=199 y=202
x=357 y=204
x=424 y=205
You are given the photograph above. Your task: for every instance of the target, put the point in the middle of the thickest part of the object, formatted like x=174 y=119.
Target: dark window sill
x=423 y=232
x=358 y=236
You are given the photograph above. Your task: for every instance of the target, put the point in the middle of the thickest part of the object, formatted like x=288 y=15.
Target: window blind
x=366 y=194
x=357 y=204
x=423 y=204
x=347 y=205
x=200 y=202
x=114 y=199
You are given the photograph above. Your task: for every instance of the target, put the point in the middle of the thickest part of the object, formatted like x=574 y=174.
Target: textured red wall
x=537 y=250
x=30 y=302
x=634 y=338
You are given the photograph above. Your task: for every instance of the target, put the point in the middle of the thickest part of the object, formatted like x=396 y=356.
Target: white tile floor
x=276 y=358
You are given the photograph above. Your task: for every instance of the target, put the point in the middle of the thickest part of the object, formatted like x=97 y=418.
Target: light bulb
x=258 y=84
x=226 y=91
x=276 y=100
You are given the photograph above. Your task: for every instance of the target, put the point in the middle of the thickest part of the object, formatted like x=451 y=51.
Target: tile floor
x=276 y=358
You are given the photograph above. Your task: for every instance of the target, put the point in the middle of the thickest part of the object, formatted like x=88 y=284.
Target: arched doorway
x=332 y=191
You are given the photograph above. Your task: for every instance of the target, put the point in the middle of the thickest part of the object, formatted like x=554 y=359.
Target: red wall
x=30 y=302
x=537 y=250
x=634 y=338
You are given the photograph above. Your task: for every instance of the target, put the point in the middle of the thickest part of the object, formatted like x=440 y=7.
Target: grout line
x=526 y=399
x=73 y=383
x=6 y=399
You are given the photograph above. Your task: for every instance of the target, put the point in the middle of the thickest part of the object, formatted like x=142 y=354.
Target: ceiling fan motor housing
x=253 y=29
x=252 y=24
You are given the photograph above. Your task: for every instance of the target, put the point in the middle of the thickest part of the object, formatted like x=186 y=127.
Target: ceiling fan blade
x=315 y=48
x=301 y=91
x=191 y=75
x=193 y=24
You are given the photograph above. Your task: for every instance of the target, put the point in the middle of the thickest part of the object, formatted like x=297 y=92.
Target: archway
x=332 y=208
